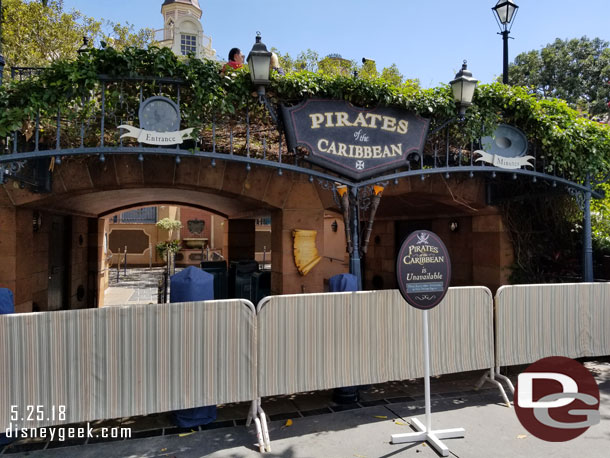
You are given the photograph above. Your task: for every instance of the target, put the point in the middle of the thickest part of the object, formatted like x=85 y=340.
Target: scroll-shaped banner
x=504 y=162
x=151 y=137
x=305 y=252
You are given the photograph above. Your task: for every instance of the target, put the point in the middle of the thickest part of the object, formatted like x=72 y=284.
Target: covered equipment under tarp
x=7 y=303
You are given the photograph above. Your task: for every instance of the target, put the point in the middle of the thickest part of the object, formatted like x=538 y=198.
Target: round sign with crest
x=423 y=269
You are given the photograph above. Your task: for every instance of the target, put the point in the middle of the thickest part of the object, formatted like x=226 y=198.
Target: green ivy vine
x=568 y=140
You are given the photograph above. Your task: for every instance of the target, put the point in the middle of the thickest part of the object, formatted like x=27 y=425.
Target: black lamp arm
x=271 y=109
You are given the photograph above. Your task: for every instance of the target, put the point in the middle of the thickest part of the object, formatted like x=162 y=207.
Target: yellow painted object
x=305 y=252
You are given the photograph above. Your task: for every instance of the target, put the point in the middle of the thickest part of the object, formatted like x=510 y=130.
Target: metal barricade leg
x=263 y=420
x=489 y=376
x=506 y=380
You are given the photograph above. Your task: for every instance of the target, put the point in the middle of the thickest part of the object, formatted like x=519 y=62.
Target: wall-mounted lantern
x=463 y=87
x=259 y=61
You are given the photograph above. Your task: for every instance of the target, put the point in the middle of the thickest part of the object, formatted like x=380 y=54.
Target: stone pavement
x=320 y=428
x=137 y=286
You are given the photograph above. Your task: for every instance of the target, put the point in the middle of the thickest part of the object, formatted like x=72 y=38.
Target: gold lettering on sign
x=367 y=120
x=316 y=120
x=359 y=151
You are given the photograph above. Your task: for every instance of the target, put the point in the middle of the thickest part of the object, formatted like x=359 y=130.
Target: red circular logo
x=557 y=399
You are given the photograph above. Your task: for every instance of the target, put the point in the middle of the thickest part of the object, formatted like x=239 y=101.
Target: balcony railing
x=23 y=73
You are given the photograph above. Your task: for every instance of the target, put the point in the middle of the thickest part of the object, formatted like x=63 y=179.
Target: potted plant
x=171 y=246
x=169 y=225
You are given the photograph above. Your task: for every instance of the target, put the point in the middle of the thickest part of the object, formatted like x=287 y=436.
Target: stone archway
x=85 y=189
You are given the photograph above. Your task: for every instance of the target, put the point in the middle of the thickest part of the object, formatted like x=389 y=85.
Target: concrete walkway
x=136 y=286
x=312 y=425
x=321 y=428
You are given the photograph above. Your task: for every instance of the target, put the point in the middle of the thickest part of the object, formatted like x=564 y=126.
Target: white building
x=182 y=30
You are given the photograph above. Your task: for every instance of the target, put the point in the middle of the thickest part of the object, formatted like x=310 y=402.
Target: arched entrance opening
x=86 y=193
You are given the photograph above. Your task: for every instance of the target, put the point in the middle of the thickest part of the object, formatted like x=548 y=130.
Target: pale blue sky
x=427 y=39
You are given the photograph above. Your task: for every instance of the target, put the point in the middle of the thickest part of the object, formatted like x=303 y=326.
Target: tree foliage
x=37 y=33
x=576 y=70
x=335 y=65
x=392 y=75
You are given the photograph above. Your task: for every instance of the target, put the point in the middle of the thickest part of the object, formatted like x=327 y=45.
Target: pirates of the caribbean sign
x=423 y=270
x=355 y=142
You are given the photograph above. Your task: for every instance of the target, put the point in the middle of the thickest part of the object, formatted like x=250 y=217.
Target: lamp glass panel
x=510 y=12
x=259 y=67
x=457 y=90
x=505 y=10
x=468 y=88
x=501 y=12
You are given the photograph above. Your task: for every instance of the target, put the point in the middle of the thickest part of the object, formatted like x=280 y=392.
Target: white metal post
x=425 y=432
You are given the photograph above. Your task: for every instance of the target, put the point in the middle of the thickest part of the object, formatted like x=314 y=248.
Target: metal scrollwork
x=579 y=197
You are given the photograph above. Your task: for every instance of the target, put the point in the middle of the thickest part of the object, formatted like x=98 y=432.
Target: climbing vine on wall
x=570 y=142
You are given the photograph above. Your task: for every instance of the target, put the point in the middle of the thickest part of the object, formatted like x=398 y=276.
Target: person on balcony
x=236 y=60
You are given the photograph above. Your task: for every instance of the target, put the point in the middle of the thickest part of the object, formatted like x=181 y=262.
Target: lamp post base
x=432 y=437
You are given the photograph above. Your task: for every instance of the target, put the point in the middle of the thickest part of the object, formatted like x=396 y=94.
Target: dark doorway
x=58 y=263
x=404 y=228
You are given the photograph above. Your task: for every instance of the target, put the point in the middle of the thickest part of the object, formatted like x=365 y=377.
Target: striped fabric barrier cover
x=321 y=341
x=122 y=361
x=536 y=321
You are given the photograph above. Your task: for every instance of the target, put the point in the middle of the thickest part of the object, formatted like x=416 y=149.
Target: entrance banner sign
x=156 y=138
x=355 y=142
x=423 y=269
x=159 y=123
x=503 y=162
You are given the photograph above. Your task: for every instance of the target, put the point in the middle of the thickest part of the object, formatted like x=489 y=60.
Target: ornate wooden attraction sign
x=423 y=269
x=355 y=142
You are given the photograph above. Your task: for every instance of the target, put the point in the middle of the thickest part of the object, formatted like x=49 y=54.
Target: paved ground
x=136 y=286
x=318 y=427
x=321 y=428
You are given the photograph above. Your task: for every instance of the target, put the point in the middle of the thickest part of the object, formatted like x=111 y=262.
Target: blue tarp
x=7 y=303
x=343 y=282
x=189 y=285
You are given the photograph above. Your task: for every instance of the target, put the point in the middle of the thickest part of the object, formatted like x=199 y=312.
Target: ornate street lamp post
x=259 y=61
x=463 y=87
x=505 y=12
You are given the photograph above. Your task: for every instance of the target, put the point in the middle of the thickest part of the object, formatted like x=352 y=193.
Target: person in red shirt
x=236 y=60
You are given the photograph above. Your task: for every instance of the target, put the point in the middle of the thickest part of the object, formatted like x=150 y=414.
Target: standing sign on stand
x=423 y=271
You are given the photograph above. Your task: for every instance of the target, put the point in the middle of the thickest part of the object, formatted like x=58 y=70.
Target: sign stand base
x=432 y=437
x=425 y=433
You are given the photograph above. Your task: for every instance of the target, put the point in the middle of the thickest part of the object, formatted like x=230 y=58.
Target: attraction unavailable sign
x=355 y=142
x=423 y=269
